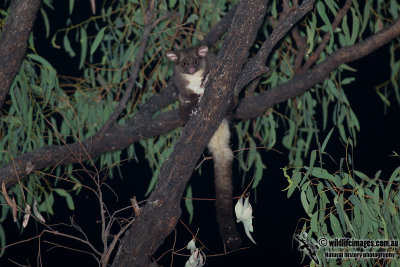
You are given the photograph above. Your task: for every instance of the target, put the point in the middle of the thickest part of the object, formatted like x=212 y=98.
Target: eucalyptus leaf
x=99 y=37
x=189 y=203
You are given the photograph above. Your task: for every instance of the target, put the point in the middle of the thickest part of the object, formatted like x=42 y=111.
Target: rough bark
x=14 y=41
x=148 y=231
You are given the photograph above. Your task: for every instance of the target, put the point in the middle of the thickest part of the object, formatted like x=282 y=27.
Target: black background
x=275 y=216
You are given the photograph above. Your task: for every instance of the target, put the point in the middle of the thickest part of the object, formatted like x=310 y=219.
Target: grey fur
x=190 y=68
x=187 y=98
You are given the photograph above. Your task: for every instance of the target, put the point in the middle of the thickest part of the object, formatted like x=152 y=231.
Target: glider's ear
x=171 y=55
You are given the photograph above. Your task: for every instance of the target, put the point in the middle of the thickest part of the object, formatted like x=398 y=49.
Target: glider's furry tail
x=223 y=157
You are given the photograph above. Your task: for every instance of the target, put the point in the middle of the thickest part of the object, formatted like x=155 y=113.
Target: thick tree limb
x=255 y=106
x=162 y=211
x=14 y=41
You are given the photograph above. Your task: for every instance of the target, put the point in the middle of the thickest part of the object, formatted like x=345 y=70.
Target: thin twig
x=301 y=49
x=74 y=238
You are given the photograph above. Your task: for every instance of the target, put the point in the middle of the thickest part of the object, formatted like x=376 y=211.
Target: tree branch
x=255 y=106
x=256 y=66
x=116 y=138
x=14 y=41
x=301 y=44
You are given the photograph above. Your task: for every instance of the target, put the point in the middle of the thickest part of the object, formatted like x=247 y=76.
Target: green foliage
x=189 y=202
x=2 y=239
x=348 y=204
x=156 y=153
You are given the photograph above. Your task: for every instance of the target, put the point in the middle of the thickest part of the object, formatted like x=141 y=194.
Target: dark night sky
x=275 y=215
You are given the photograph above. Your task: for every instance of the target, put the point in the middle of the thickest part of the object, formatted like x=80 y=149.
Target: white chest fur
x=194 y=82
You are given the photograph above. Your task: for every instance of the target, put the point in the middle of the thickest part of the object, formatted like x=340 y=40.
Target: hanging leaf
x=259 y=170
x=67 y=196
x=67 y=46
x=84 y=43
x=335 y=226
x=46 y=22
x=189 y=202
x=2 y=240
x=192 y=18
x=97 y=40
